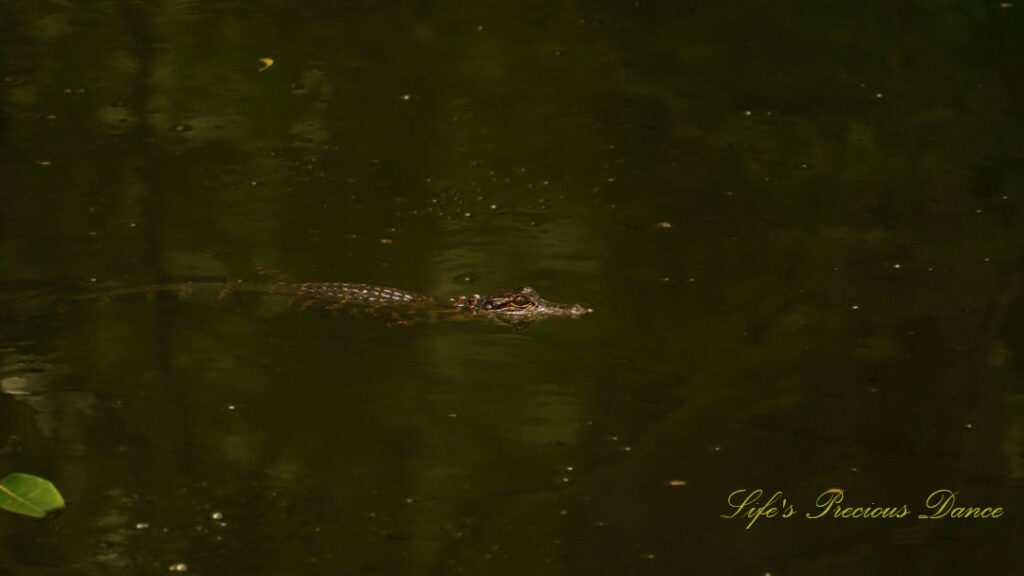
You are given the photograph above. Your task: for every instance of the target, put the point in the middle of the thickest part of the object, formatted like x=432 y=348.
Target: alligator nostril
x=578 y=310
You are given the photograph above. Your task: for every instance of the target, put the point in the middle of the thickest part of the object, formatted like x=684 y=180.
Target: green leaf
x=29 y=495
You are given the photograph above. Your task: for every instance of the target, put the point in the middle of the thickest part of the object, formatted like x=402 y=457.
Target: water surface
x=799 y=226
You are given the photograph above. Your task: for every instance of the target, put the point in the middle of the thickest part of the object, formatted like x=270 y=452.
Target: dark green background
x=836 y=303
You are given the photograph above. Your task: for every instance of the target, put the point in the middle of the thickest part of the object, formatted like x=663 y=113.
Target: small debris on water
x=142 y=525
x=386 y=241
x=179 y=567
x=267 y=63
x=677 y=482
x=217 y=516
x=664 y=225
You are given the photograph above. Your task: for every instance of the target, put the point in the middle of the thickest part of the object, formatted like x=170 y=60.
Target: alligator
x=517 y=307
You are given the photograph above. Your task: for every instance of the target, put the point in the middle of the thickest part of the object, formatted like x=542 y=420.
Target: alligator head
x=518 y=307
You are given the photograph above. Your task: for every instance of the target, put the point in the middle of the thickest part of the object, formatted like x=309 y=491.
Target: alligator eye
x=521 y=301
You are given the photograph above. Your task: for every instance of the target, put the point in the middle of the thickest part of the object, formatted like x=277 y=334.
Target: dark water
x=799 y=225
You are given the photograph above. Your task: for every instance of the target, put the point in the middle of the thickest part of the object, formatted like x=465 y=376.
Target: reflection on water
x=799 y=230
x=36 y=382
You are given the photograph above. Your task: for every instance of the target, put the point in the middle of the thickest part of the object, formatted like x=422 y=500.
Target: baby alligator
x=518 y=306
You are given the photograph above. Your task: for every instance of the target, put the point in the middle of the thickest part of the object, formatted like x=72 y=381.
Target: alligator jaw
x=545 y=308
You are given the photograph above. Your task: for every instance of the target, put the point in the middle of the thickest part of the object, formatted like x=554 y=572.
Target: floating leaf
x=267 y=63
x=29 y=495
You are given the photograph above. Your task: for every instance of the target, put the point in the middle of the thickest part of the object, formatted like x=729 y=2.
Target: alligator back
x=366 y=294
